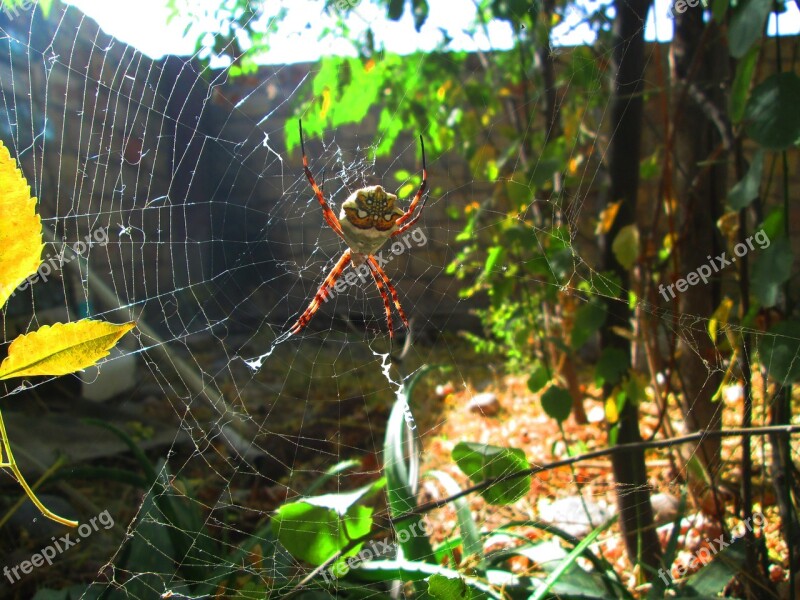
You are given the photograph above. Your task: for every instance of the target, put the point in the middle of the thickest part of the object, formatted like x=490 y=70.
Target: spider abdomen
x=364 y=241
x=368 y=218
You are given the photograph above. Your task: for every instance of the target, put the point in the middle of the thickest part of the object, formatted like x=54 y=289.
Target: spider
x=368 y=218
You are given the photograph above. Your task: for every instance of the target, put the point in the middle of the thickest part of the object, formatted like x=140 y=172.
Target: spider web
x=215 y=244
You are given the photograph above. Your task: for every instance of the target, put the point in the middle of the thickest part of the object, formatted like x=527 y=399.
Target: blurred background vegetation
x=607 y=173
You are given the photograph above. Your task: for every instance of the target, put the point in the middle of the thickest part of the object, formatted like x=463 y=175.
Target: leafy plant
x=52 y=350
x=333 y=531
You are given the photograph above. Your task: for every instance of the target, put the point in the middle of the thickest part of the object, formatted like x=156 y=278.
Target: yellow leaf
x=670 y=241
x=728 y=225
x=612 y=414
x=20 y=228
x=626 y=246
x=441 y=93
x=607 y=216
x=326 y=103
x=720 y=318
x=61 y=348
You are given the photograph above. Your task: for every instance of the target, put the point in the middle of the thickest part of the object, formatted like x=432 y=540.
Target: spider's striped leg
x=422 y=187
x=322 y=292
x=330 y=217
x=413 y=221
x=382 y=289
x=377 y=269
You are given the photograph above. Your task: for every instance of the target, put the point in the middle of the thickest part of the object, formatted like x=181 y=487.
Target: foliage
x=451 y=102
x=316 y=528
x=481 y=462
x=771 y=112
x=51 y=350
x=320 y=532
x=517 y=249
x=240 y=31
x=170 y=521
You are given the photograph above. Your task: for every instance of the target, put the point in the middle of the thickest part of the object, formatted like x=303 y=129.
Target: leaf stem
x=12 y=464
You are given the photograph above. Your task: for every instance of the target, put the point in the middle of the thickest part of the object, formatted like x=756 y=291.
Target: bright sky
x=143 y=24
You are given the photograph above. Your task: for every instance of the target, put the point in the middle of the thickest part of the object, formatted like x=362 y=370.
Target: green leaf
x=773 y=225
x=539 y=377
x=444 y=588
x=744 y=192
x=568 y=562
x=650 y=167
x=494 y=255
x=395 y=10
x=670 y=552
x=482 y=461
x=718 y=9
x=612 y=365
x=771 y=113
x=518 y=190
x=470 y=536
x=745 y=70
x=771 y=270
x=399 y=468
x=316 y=528
x=589 y=318
x=557 y=403
x=560 y=262
x=360 y=93
x=626 y=246
x=606 y=284
x=747 y=25
x=420 y=10
x=408 y=570
x=779 y=352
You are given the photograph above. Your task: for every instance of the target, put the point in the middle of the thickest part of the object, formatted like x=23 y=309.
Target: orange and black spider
x=368 y=218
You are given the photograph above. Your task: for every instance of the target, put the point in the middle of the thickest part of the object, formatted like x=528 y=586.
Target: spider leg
x=382 y=289
x=322 y=292
x=413 y=221
x=422 y=187
x=377 y=268
x=327 y=213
